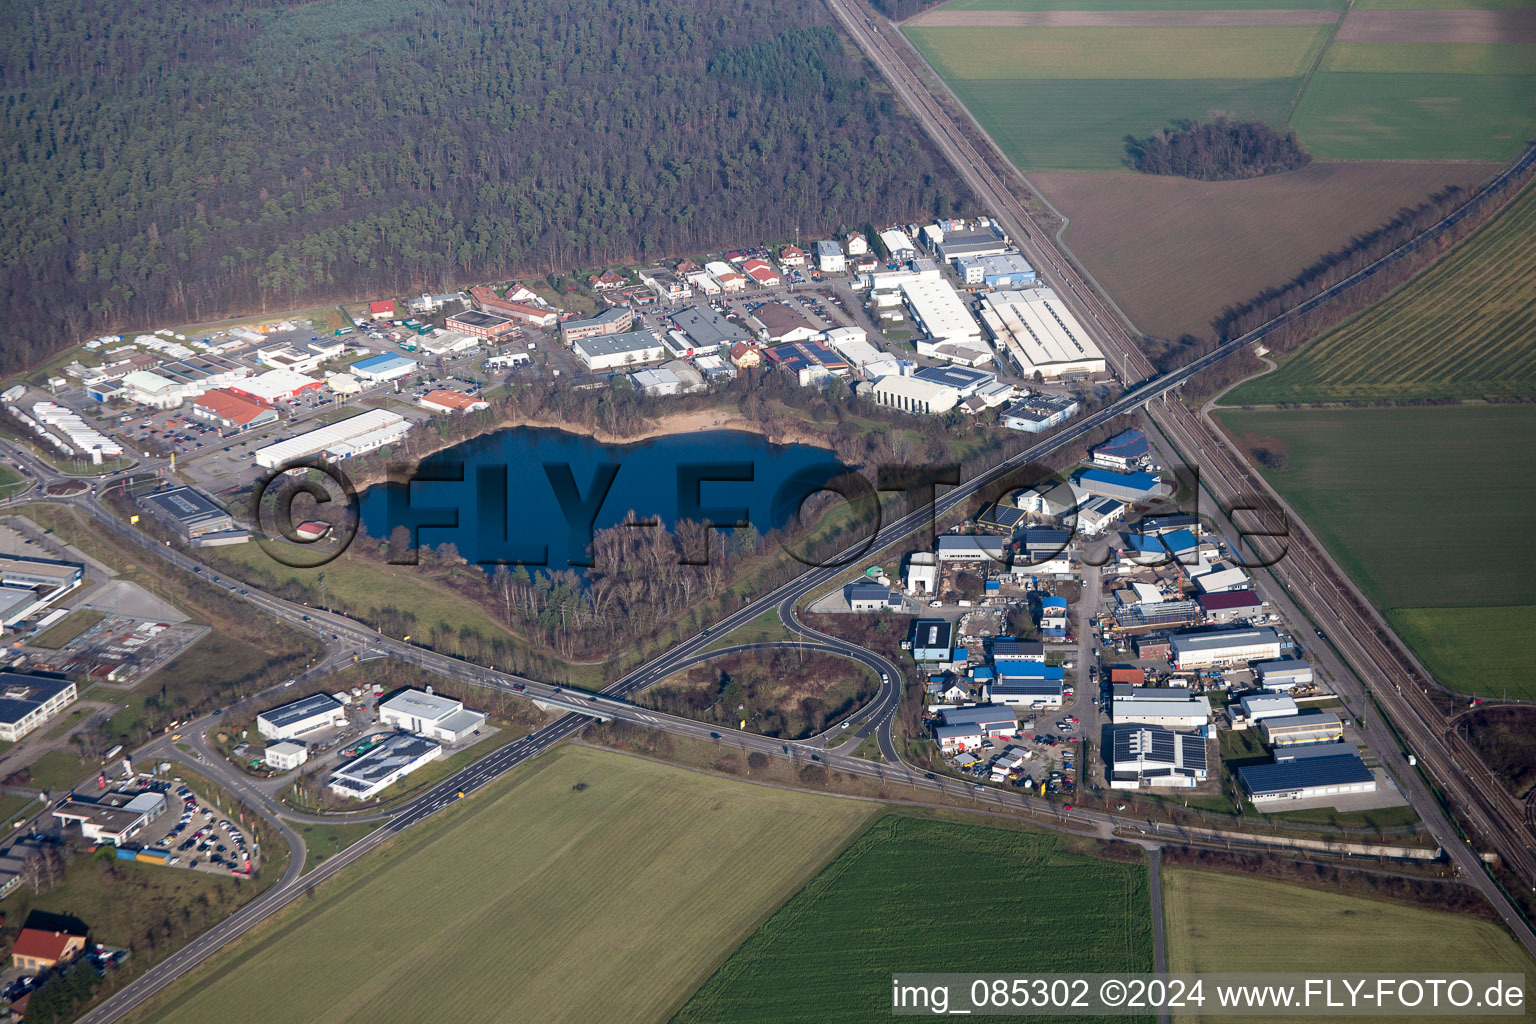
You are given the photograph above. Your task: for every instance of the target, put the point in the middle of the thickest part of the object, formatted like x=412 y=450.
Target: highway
x=1320 y=590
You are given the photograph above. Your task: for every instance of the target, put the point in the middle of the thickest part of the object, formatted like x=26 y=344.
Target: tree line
x=183 y=162
x=1219 y=150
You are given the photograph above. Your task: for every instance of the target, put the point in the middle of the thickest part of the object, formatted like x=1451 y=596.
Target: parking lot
x=199 y=837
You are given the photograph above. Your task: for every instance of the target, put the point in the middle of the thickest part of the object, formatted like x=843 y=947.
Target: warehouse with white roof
x=431 y=715
x=353 y=436
x=939 y=311
x=1040 y=335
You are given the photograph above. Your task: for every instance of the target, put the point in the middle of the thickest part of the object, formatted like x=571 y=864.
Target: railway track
x=1396 y=681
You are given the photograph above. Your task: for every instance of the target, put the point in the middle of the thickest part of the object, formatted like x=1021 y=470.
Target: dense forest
x=1219 y=150
x=171 y=161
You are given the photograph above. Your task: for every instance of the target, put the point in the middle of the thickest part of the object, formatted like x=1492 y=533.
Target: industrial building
x=964 y=380
x=938 y=310
x=1004 y=270
x=1301 y=729
x=830 y=258
x=27 y=701
x=1259 y=707
x=982 y=240
x=382 y=368
x=1023 y=691
x=1285 y=674
x=451 y=402
x=809 y=361
x=614 y=350
x=275 y=386
x=28 y=585
x=922 y=572
x=1231 y=606
x=1221 y=580
x=1307 y=778
x=1125 y=451
x=1155 y=757
x=1005 y=651
x=1189 y=712
x=343 y=439
x=912 y=395
x=1037 y=412
x=431 y=715
x=231 y=411
x=965 y=728
x=1223 y=647
x=1128 y=487
x=898 y=245
x=707 y=331
x=480 y=325
x=1040 y=335
x=189 y=511
x=727 y=278
x=779 y=322
x=932 y=639
x=871 y=597
x=971 y=548
x=660 y=381
x=306 y=715
x=383 y=766
x=614 y=320
x=285 y=755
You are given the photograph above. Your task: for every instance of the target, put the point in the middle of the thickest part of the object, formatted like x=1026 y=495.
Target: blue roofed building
x=1128 y=487
x=385 y=367
x=1307 y=778
x=931 y=639
x=1126 y=450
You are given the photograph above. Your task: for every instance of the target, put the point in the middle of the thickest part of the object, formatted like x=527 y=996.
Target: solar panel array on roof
x=1305 y=773
x=1002 y=517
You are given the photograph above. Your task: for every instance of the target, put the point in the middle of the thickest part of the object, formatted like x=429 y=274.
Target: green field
x=1432 y=58
x=1348 y=116
x=1142 y=53
x=1081 y=124
x=919 y=895
x=1216 y=922
x=1464 y=329
x=1420 y=506
x=11 y=482
x=594 y=886
x=1346 y=101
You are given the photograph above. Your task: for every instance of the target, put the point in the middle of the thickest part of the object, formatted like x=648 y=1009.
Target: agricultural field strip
x=1211 y=921
x=948 y=17
x=1439 y=26
x=613 y=907
x=1183 y=54
x=1468 y=320
x=1476 y=59
x=828 y=954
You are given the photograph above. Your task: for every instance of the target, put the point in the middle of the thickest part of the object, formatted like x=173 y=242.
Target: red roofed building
x=792 y=256
x=451 y=401
x=232 y=411
x=383 y=307
x=761 y=271
x=606 y=281
x=38 y=950
x=489 y=301
x=1134 y=676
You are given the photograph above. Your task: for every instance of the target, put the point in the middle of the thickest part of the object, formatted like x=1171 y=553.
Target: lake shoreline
x=670 y=425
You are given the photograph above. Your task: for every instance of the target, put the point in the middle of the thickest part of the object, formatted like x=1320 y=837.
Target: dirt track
x=941 y=18
x=1447 y=26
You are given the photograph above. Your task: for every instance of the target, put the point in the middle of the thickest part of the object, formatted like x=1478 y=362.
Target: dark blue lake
x=526 y=495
